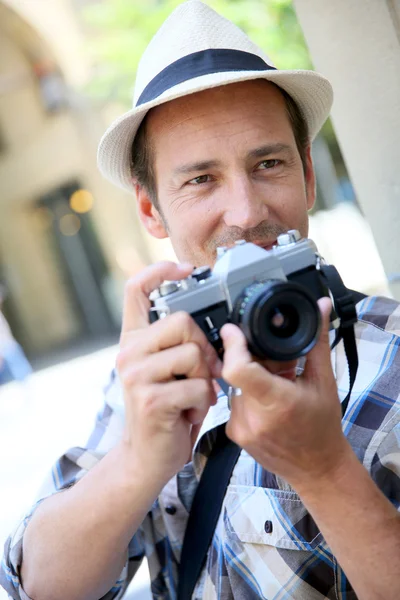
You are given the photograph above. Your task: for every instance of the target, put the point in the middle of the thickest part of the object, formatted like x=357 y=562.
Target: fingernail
x=226 y=331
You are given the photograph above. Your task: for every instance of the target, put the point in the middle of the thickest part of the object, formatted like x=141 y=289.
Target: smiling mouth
x=265 y=246
x=261 y=244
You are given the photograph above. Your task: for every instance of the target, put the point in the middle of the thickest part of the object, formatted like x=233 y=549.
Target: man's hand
x=163 y=414
x=105 y=508
x=292 y=428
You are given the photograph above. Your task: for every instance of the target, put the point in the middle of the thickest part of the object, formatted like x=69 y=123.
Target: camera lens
x=283 y=321
x=280 y=319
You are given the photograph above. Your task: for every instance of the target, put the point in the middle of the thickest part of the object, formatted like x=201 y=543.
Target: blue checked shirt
x=266 y=544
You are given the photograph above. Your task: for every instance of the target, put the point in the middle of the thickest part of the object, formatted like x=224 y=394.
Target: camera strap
x=210 y=493
x=345 y=301
x=205 y=511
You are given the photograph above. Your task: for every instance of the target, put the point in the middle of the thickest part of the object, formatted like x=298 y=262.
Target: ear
x=149 y=215
x=310 y=179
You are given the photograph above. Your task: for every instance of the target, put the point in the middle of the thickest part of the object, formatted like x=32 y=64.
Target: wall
x=356 y=45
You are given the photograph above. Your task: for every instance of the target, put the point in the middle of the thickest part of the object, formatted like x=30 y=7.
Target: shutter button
x=268 y=527
x=170 y=510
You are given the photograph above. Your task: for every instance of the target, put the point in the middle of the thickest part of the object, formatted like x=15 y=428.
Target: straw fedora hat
x=197 y=49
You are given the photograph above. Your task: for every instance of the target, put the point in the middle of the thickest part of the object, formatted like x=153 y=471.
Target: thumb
x=318 y=363
x=236 y=353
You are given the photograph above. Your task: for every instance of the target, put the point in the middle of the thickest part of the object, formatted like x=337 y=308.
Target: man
x=217 y=149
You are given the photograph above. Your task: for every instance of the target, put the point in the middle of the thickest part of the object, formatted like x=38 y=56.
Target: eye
x=199 y=180
x=269 y=163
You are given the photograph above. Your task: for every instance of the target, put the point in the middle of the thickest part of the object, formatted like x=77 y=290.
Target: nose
x=244 y=206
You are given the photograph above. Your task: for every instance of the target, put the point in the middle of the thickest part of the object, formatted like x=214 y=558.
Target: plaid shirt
x=266 y=544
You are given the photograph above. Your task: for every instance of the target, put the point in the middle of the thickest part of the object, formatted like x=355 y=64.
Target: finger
x=190 y=396
x=286 y=369
x=138 y=289
x=186 y=359
x=174 y=330
x=318 y=363
x=180 y=328
x=238 y=368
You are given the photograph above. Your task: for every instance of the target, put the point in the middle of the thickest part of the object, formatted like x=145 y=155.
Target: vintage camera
x=270 y=294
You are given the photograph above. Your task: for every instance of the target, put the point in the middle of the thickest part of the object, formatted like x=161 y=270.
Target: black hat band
x=201 y=63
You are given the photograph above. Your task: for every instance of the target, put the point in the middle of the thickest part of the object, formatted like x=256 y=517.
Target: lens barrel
x=280 y=319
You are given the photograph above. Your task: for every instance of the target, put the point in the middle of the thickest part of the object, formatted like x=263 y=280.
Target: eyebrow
x=269 y=149
x=204 y=165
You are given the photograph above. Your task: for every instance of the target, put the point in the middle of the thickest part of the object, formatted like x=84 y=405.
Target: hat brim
x=311 y=92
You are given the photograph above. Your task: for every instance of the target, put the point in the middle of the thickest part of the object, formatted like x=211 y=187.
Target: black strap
x=345 y=301
x=203 y=62
x=350 y=348
x=205 y=511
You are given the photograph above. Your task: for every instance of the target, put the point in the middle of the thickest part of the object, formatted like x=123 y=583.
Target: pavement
x=54 y=410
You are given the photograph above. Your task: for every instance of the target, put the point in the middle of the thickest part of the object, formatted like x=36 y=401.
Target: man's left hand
x=292 y=428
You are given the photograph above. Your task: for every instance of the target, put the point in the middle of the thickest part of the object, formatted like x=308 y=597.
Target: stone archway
x=45 y=28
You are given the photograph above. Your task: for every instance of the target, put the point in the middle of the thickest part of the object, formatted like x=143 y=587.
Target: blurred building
x=68 y=239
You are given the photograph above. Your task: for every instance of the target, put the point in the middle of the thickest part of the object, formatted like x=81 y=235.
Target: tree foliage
x=121 y=29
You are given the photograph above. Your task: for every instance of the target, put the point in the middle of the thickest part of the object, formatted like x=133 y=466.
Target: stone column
x=356 y=45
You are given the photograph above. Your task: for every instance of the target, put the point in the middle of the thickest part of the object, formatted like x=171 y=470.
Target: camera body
x=270 y=294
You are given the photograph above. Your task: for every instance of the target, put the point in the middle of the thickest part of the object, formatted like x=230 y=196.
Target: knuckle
x=226 y=372
x=230 y=373
x=229 y=430
x=173 y=406
x=200 y=389
x=131 y=348
x=235 y=433
x=204 y=387
x=242 y=438
x=147 y=397
x=132 y=375
x=194 y=352
x=121 y=360
x=131 y=287
x=183 y=320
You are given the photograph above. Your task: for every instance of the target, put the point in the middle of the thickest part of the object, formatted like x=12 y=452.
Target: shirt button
x=170 y=510
x=268 y=527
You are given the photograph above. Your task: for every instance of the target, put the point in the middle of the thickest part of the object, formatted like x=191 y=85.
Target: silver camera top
x=237 y=266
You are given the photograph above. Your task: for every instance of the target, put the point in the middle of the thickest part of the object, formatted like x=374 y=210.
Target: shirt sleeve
x=68 y=469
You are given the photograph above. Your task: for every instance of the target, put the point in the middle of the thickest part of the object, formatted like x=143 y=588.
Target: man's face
x=227 y=168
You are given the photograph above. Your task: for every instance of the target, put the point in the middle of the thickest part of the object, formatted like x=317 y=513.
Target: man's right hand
x=105 y=508
x=162 y=412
